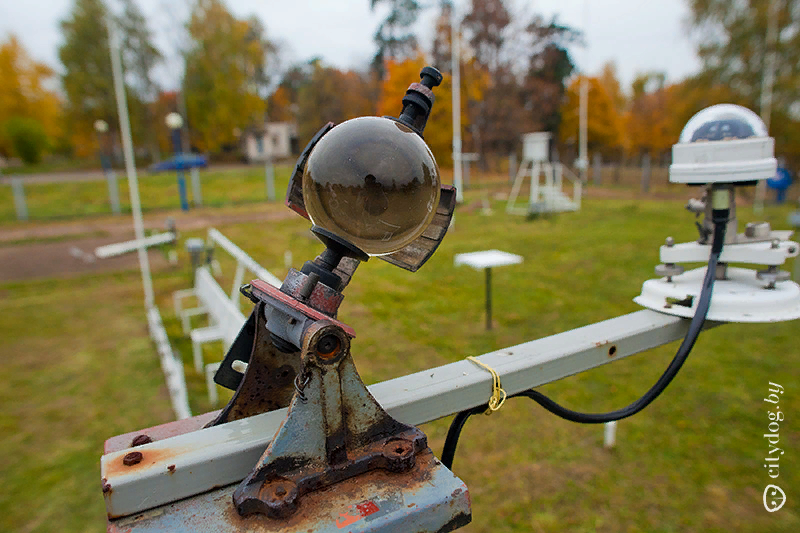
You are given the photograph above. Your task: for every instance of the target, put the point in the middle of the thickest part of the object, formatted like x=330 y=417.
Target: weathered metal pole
x=455 y=67
x=130 y=164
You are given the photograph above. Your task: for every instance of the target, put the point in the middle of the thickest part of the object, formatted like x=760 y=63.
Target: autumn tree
x=394 y=37
x=140 y=58
x=87 y=79
x=331 y=95
x=29 y=111
x=439 y=129
x=648 y=124
x=549 y=67
x=227 y=74
x=733 y=47
x=526 y=66
x=604 y=124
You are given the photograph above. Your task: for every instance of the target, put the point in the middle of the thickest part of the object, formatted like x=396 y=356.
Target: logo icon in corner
x=774 y=498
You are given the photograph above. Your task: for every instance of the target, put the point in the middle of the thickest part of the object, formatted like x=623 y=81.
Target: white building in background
x=275 y=140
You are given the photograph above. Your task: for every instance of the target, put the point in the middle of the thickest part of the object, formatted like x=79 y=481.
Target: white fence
x=223 y=310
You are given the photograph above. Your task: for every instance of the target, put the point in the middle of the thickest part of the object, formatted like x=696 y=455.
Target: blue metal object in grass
x=181 y=162
x=781 y=182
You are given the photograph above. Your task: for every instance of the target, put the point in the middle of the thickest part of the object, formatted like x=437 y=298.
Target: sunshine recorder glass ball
x=374 y=182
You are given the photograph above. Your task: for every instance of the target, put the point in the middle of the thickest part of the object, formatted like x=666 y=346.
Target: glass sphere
x=723 y=122
x=373 y=182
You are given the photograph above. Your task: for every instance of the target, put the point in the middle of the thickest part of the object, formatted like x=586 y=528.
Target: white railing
x=171 y=365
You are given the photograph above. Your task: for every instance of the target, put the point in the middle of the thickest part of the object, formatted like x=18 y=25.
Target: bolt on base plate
x=740 y=298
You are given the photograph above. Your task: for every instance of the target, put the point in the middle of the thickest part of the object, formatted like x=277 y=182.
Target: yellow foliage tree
x=225 y=74
x=23 y=91
x=604 y=122
x=439 y=130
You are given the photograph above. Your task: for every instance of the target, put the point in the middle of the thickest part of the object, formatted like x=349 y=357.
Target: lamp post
x=174 y=122
x=101 y=127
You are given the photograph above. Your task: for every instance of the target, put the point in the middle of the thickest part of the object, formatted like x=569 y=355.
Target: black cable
x=696 y=325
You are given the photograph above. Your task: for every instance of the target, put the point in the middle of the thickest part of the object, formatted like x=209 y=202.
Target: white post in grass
x=269 y=172
x=455 y=67
x=19 y=198
x=610 y=435
x=197 y=194
x=130 y=164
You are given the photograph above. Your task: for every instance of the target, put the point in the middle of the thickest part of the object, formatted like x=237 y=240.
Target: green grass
x=79 y=367
x=158 y=192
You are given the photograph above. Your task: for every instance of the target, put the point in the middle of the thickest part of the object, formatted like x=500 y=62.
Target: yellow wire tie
x=498 y=397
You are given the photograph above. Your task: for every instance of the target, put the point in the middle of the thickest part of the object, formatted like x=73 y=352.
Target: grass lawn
x=79 y=367
x=157 y=192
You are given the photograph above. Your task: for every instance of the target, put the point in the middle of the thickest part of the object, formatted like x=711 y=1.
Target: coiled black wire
x=696 y=325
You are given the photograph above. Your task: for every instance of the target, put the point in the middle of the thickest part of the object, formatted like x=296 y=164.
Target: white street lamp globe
x=174 y=121
x=100 y=126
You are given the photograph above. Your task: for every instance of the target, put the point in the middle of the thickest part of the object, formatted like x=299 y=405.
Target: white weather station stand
x=326 y=453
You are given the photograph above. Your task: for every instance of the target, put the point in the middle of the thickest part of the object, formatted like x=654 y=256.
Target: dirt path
x=66 y=259
x=121 y=227
x=93 y=175
x=71 y=255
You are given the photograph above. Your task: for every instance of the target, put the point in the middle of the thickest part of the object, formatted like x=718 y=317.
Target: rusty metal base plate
x=427 y=498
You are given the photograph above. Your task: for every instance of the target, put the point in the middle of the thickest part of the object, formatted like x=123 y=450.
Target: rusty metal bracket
x=339 y=432
x=268 y=381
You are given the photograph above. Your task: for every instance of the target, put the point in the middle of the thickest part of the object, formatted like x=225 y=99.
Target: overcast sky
x=638 y=35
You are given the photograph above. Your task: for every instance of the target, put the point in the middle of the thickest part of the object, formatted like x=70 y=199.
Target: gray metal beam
x=192 y=463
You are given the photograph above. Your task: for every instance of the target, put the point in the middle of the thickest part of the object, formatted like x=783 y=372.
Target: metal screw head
x=328 y=347
x=670 y=242
x=138 y=440
x=132 y=458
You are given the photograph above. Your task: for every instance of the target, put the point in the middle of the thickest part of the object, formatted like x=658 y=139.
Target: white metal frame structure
x=202 y=459
x=547 y=196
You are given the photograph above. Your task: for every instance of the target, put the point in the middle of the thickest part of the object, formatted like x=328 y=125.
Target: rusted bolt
x=138 y=440
x=171 y=468
x=612 y=351
x=328 y=347
x=106 y=486
x=399 y=454
x=132 y=458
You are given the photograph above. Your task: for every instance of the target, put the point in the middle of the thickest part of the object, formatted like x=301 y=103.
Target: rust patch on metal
x=106 y=486
x=148 y=459
x=171 y=469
